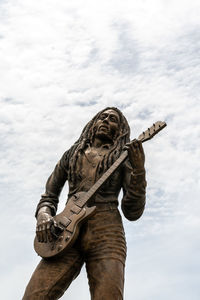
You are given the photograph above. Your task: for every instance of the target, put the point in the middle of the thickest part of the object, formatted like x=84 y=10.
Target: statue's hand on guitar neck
x=135 y=154
x=46 y=226
x=135 y=149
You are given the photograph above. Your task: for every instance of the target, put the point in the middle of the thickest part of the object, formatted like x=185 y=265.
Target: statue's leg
x=105 y=253
x=106 y=279
x=53 y=276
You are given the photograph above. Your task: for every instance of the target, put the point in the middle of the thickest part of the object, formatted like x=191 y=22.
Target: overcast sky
x=60 y=63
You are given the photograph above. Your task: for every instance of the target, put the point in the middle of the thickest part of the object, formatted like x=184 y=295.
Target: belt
x=104 y=206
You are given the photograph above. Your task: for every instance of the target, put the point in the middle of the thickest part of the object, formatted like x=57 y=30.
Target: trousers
x=101 y=246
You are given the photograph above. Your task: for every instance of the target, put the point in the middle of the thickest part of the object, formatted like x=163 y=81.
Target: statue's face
x=107 y=125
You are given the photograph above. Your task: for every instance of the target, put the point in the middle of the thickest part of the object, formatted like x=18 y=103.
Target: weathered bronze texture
x=101 y=240
x=77 y=211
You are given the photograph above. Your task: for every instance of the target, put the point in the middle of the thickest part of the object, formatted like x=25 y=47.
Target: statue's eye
x=102 y=117
x=113 y=119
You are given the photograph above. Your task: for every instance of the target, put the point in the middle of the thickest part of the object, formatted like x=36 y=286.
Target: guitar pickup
x=75 y=209
x=65 y=221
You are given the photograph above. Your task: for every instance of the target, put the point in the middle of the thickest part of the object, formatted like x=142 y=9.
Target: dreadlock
x=87 y=137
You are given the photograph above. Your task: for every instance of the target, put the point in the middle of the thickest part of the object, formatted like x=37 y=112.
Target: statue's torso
x=89 y=170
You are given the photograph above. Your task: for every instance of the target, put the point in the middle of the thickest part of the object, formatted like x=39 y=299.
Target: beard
x=104 y=133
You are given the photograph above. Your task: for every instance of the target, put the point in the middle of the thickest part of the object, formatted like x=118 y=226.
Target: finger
x=43 y=232
x=134 y=148
x=126 y=146
x=48 y=230
x=134 y=142
x=137 y=144
x=141 y=154
x=38 y=233
x=55 y=224
x=141 y=147
x=130 y=148
x=59 y=228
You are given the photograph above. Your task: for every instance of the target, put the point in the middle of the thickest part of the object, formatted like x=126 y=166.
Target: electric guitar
x=76 y=210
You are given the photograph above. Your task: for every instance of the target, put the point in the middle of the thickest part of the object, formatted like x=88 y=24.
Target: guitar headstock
x=150 y=132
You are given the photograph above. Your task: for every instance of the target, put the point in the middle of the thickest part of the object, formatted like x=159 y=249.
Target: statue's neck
x=99 y=143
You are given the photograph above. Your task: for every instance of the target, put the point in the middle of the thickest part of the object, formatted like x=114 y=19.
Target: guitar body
x=70 y=220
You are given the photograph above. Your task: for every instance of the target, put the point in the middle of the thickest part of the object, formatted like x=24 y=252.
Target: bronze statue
x=101 y=241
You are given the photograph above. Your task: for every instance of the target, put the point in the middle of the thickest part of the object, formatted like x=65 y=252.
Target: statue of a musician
x=101 y=242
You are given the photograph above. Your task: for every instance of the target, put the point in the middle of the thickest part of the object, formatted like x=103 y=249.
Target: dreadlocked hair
x=87 y=137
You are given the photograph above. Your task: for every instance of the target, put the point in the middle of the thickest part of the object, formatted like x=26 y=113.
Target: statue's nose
x=105 y=120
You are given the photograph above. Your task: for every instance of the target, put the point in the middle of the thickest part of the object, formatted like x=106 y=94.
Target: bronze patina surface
x=101 y=242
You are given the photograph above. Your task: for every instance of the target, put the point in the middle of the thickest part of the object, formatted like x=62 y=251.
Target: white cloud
x=60 y=64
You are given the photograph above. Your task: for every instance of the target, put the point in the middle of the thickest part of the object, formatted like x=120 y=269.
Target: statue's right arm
x=47 y=205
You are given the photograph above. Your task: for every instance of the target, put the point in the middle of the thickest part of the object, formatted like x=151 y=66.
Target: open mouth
x=103 y=127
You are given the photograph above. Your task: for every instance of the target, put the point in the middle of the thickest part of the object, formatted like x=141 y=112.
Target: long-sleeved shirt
x=131 y=181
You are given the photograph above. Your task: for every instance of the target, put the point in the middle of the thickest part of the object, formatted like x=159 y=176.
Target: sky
x=60 y=63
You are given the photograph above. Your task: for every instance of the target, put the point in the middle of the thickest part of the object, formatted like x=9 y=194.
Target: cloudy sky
x=60 y=63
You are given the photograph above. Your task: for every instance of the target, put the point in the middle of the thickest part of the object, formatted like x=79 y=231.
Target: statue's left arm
x=134 y=182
